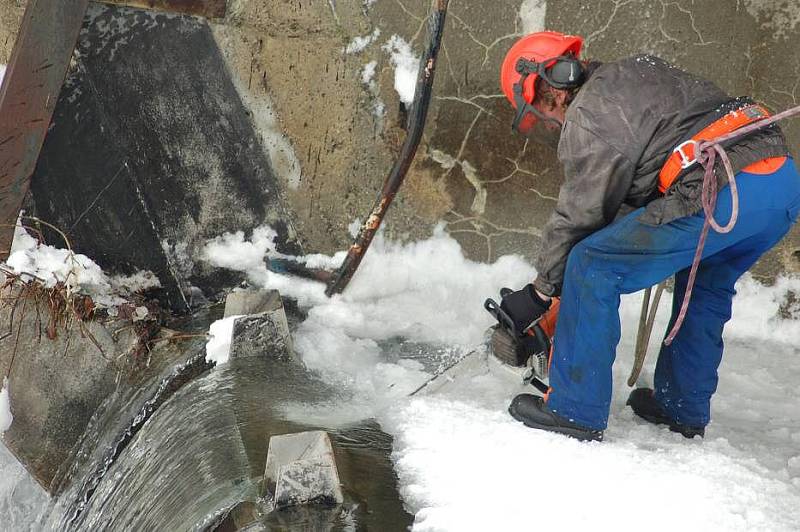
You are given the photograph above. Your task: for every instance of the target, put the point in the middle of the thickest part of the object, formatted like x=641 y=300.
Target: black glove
x=523 y=307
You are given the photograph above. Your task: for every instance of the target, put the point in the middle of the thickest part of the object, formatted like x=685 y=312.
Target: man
x=629 y=215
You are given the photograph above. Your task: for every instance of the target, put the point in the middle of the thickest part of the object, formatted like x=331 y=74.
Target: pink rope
x=705 y=153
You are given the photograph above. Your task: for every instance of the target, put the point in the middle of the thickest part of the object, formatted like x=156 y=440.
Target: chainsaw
x=529 y=348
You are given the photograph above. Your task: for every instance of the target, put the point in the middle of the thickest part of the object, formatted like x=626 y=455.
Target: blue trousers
x=628 y=256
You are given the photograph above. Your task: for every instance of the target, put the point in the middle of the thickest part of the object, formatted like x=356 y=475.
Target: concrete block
x=243 y=302
x=265 y=333
x=56 y=385
x=301 y=469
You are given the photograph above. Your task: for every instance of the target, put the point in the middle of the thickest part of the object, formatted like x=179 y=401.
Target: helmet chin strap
x=523 y=107
x=566 y=73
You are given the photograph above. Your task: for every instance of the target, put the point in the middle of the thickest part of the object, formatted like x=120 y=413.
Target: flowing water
x=196 y=461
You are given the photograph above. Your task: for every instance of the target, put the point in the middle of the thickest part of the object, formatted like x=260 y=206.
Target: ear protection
x=562 y=72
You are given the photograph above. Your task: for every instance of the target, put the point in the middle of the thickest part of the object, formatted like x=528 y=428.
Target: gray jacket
x=619 y=130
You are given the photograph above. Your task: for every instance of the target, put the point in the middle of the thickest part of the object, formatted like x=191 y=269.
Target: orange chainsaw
x=530 y=348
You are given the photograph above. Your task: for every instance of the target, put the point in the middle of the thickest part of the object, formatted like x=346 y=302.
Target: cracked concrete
x=493 y=190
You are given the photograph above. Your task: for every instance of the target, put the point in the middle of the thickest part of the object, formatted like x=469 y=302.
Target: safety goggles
x=561 y=72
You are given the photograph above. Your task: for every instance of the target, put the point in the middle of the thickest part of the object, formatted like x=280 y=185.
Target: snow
x=21 y=498
x=5 y=408
x=220 y=334
x=368 y=74
x=368 y=79
x=358 y=44
x=51 y=265
x=532 y=14
x=464 y=464
x=406 y=66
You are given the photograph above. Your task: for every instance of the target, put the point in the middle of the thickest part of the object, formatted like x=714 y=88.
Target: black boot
x=533 y=412
x=644 y=405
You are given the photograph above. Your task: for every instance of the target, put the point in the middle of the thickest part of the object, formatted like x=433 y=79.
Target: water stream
x=202 y=454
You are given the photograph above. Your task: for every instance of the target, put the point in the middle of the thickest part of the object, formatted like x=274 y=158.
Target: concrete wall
x=492 y=189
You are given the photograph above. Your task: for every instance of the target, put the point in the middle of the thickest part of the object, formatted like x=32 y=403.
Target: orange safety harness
x=683 y=156
x=703 y=148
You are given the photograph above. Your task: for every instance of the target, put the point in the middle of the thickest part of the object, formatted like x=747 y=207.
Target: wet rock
x=55 y=384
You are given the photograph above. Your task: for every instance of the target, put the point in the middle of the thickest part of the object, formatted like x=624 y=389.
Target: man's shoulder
x=639 y=66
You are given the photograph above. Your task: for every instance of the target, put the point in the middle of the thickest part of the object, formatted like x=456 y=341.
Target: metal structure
x=214 y=9
x=36 y=71
x=419 y=112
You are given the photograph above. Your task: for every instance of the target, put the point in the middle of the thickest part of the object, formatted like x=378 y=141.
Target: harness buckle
x=686 y=161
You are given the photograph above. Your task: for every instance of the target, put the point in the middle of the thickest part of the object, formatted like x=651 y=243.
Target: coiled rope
x=706 y=152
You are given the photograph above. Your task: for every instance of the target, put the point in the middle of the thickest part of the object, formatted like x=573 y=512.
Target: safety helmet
x=549 y=54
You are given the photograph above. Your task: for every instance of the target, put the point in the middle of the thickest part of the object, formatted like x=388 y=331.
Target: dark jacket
x=619 y=130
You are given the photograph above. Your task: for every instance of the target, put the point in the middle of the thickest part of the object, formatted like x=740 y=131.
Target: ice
x=218 y=346
x=5 y=408
x=21 y=498
x=368 y=79
x=51 y=265
x=464 y=464
x=406 y=66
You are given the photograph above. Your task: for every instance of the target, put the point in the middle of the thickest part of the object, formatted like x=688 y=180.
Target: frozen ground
x=464 y=464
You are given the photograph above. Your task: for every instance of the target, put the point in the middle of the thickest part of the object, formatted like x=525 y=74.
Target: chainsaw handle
x=501 y=316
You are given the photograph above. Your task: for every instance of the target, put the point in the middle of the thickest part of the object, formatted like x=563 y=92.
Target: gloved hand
x=523 y=306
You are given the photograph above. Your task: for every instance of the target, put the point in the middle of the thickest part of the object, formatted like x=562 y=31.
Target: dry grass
x=61 y=310
x=57 y=309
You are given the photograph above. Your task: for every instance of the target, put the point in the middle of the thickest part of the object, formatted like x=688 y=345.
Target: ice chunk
x=5 y=408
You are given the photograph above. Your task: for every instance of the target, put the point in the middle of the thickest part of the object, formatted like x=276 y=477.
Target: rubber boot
x=644 y=405
x=533 y=412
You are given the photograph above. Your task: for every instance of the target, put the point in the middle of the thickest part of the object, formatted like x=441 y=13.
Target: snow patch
x=406 y=66
x=368 y=79
x=358 y=44
x=5 y=408
x=368 y=74
x=454 y=460
x=532 y=14
x=220 y=333
x=234 y=252
x=50 y=265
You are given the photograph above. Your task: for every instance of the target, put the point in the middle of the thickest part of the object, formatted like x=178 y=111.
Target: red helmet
x=529 y=58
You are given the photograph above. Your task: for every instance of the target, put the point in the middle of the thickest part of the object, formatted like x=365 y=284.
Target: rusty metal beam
x=213 y=9
x=36 y=71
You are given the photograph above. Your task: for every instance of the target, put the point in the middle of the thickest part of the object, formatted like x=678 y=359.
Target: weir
x=116 y=414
